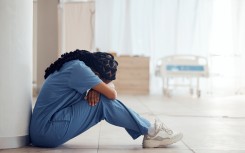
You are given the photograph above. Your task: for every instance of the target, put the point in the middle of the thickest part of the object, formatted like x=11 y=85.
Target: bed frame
x=187 y=67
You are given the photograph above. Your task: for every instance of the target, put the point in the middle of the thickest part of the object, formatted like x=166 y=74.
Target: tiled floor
x=209 y=125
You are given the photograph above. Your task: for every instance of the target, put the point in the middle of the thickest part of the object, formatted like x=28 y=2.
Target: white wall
x=47 y=37
x=16 y=72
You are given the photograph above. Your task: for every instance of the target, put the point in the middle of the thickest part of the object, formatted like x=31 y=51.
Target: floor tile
x=219 y=151
x=48 y=150
x=116 y=137
x=140 y=150
x=208 y=106
x=209 y=133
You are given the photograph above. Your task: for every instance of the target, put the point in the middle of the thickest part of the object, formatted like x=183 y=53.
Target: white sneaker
x=163 y=137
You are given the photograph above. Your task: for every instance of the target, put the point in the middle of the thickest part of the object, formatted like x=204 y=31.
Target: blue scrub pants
x=77 y=118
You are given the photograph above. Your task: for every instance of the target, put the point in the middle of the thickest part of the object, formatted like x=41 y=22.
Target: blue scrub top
x=60 y=90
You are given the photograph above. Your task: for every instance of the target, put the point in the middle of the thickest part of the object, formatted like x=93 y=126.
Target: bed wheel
x=166 y=92
x=191 y=91
x=198 y=93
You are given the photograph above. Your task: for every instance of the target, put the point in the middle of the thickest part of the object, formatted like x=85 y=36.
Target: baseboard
x=14 y=142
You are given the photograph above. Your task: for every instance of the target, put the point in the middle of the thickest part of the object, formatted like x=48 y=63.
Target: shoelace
x=162 y=126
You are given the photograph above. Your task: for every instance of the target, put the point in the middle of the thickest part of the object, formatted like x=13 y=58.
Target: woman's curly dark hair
x=101 y=62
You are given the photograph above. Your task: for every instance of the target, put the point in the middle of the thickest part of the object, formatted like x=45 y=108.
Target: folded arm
x=107 y=90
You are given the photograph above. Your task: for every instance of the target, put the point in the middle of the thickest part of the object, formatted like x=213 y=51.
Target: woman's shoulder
x=74 y=63
x=77 y=66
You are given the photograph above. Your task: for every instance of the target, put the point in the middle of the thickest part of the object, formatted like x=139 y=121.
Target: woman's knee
x=104 y=99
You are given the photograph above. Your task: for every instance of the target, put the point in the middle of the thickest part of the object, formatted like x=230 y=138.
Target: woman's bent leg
x=116 y=113
x=85 y=116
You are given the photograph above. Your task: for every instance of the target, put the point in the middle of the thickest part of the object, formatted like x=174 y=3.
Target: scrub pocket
x=60 y=122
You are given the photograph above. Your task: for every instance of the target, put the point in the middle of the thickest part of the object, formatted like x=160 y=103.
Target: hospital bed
x=187 y=68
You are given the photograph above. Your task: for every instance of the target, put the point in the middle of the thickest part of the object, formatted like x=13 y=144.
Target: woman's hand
x=93 y=97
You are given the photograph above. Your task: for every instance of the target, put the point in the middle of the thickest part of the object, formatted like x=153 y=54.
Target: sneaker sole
x=164 y=143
